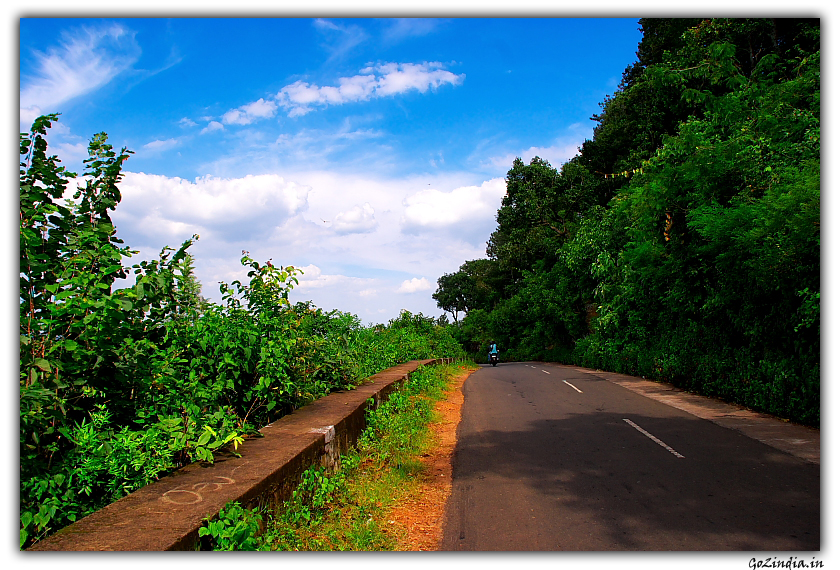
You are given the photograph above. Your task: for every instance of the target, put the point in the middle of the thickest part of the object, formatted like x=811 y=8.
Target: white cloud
x=371 y=274
x=414 y=285
x=563 y=149
x=71 y=153
x=28 y=116
x=85 y=59
x=232 y=209
x=314 y=278
x=431 y=209
x=311 y=274
x=401 y=77
x=212 y=126
x=382 y=80
x=359 y=219
x=301 y=97
x=247 y=114
x=160 y=146
x=556 y=155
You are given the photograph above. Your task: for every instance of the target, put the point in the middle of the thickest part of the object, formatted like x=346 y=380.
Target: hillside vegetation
x=121 y=385
x=682 y=243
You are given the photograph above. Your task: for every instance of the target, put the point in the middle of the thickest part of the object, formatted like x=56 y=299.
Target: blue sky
x=369 y=152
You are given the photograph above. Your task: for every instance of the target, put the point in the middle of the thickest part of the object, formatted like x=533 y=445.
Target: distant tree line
x=683 y=241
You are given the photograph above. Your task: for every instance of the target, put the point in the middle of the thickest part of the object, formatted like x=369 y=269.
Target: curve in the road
x=555 y=458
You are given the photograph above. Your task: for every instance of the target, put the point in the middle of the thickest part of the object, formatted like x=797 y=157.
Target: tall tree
x=682 y=242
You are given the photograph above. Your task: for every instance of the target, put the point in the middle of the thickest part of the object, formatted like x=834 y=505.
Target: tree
x=452 y=291
x=471 y=287
x=682 y=242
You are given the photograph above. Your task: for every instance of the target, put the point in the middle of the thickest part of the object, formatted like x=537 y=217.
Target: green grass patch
x=347 y=509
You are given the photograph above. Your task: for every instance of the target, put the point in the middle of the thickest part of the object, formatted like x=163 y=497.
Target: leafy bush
x=313 y=494
x=235 y=528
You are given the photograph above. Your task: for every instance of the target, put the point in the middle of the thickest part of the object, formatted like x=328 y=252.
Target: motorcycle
x=494 y=359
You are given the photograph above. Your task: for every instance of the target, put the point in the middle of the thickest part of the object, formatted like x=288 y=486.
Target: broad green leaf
x=205 y=437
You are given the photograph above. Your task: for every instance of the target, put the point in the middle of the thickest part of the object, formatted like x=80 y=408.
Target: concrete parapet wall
x=167 y=514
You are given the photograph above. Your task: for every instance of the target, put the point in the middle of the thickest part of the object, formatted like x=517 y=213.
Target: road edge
x=800 y=441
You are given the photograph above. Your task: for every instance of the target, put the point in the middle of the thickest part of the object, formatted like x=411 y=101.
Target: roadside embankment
x=167 y=514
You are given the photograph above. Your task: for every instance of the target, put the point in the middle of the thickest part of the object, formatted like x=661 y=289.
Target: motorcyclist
x=492 y=350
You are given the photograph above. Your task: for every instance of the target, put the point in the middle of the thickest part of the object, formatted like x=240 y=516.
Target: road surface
x=553 y=458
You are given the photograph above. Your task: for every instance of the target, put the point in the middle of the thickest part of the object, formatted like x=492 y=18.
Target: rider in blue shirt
x=493 y=350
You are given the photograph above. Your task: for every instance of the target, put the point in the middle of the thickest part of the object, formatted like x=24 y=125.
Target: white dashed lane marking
x=654 y=438
x=573 y=386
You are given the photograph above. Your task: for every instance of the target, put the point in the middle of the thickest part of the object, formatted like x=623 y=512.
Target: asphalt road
x=550 y=458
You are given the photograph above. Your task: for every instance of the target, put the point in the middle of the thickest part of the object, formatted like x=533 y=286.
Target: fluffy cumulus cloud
x=212 y=126
x=312 y=278
x=357 y=220
x=393 y=78
x=300 y=97
x=247 y=114
x=231 y=209
x=414 y=285
x=468 y=211
x=85 y=59
x=348 y=234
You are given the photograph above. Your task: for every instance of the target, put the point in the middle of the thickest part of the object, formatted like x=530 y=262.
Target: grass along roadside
x=390 y=490
x=419 y=515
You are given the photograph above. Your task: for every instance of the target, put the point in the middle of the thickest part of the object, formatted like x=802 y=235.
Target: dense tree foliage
x=119 y=385
x=683 y=241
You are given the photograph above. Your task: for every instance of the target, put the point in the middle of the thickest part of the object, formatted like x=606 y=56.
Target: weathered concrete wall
x=167 y=514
